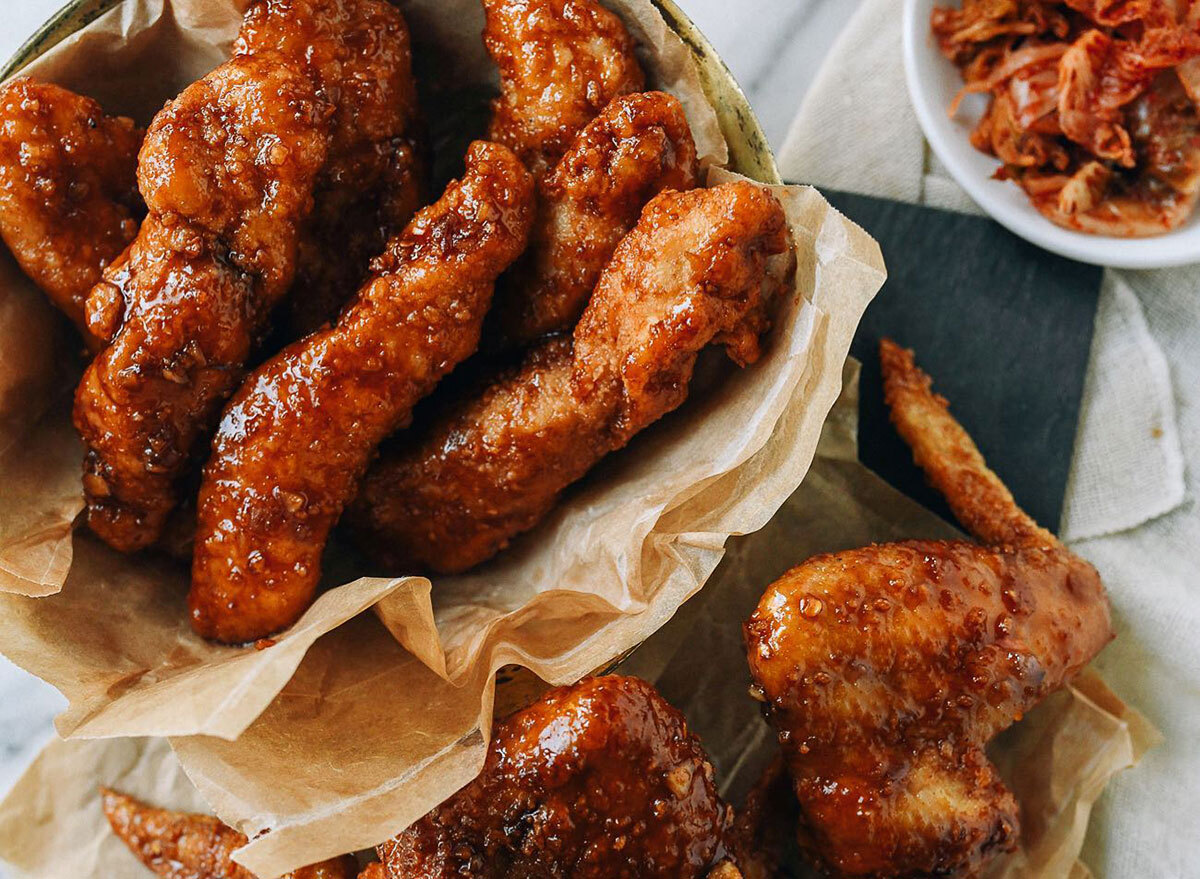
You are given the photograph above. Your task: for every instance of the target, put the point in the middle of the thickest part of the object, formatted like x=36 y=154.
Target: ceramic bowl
x=932 y=84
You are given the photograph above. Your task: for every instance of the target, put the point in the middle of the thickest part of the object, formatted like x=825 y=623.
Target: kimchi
x=1093 y=105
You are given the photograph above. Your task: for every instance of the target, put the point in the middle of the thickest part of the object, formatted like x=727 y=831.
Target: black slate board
x=1004 y=328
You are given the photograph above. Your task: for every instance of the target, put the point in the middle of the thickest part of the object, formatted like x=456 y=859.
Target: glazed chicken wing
x=561 y=62
x=638 y=146
x=68 y=191
x=594 y=781
x=229 y=172
x=297 y=438
x=693 y=271
x=177 y=845
x=888 y=669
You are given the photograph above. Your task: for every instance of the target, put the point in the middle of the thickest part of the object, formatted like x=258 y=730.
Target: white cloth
x=1131 y=503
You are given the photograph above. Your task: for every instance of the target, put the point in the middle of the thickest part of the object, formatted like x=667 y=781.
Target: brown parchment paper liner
x=110 y=631
x=1057 y=760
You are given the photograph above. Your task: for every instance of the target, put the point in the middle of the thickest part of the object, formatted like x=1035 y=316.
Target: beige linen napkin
x=1130 y=505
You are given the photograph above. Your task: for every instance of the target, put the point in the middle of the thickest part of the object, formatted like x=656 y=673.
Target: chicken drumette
x=888 y=669
x=601 y=779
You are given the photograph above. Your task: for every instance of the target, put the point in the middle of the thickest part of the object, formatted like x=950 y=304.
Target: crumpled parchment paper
x=1057 y=760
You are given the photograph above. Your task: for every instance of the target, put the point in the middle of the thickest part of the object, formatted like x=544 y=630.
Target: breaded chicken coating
x=593 y=781
x=561 y=62
x=217 y=250
x=358 y=54
x=69 y=203
x=691 y=273
x=887 y=670
x=297 y=438
x=227 y=172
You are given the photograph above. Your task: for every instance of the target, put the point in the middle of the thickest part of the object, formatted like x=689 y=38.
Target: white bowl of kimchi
x=1109 y=185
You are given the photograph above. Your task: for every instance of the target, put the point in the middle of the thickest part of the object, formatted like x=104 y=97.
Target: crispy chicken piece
x=693 y=271
x=888 y=669
x=68 y=191
x=561 y=62
x=296 y=439
x=216 y=251
x=359 y=55
x=600 y=779
x=177 y=845
x=638 y=146
x=229 y=172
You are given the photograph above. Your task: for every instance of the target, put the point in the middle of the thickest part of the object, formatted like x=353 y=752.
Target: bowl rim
x=1172 y=249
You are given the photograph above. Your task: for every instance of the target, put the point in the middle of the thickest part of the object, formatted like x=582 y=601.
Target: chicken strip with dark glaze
x=691 y=273
x=561 y=62
x=229 y=172
x=638 y=146
x=295 y=441
x=592 y=781
x=215 y=253
x=69 y=204
x=358 y=54
x=887 y=670
x=179 y=845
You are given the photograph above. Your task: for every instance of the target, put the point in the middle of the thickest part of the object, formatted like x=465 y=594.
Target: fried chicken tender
x=888 y=669
x=600 y=779
x=215 y=253
x=229 y=171
x=693 y=271
x=69 y=203
x=358 y=54
x=638 y=146
x=296 y=439
x=561 y=62
x=178 y=845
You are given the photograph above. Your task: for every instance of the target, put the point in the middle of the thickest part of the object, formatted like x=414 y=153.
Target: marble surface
x=774 y=48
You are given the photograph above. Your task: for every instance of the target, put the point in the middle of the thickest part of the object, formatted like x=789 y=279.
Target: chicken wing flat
x=638 y=146
x=178 y=845
x=359 y=56
x=600 y=779
x=229 y=172
x=295 y=441
x=888 y=669
x=693 y=271
x=69 y=203
x=561 y=62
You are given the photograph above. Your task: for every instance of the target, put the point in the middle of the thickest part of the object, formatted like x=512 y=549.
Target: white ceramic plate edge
x=1012 y=209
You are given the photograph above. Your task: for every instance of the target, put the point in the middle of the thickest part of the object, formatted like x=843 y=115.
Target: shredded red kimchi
x=1093 y=105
